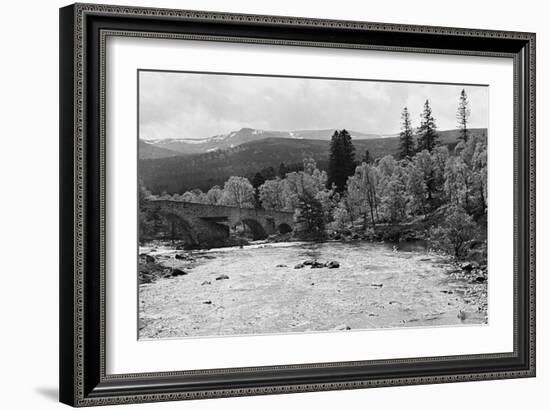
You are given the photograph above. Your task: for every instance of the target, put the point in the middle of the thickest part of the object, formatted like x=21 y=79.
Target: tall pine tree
x=462 y=115
x=427 y=135
x=406 y=140
x=341 y=160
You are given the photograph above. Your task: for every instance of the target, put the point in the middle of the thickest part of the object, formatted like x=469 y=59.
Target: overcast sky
x=188 y=105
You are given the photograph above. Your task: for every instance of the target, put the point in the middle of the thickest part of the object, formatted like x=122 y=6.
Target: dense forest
x=427 y=182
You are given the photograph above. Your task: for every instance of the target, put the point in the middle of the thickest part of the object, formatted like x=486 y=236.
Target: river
x=378 y=285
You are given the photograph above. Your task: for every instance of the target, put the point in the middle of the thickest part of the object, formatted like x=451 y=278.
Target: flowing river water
x=377 y=285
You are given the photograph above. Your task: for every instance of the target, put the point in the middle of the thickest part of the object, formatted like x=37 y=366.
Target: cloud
x=191 y=105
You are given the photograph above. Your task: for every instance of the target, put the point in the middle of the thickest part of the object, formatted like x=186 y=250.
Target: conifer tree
x=341 y=160
x=406 y=141
x=427 y=135
x=462 y=115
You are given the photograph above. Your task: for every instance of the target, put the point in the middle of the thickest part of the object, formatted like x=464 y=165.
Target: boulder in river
x=317 y=264
x=222 y=277
x=467 y=266
x=181 y=257
x=342 y=327
x=308 y=262
x=480 y=279
x=280 y=265
x=147 y=258
x=206 y=283
x=176 y=272
x=333 y=264
x=300 y=265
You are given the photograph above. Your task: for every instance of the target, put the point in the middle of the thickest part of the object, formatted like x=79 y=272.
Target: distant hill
x=151 y=151
x=236 y=138
x=181 y=173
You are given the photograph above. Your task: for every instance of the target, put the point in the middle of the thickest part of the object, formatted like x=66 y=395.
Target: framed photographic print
x=261 y=204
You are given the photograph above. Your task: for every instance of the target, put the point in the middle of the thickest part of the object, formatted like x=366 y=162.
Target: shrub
x=455 y=234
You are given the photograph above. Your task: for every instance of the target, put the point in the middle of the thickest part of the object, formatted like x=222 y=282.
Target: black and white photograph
x=276 y=205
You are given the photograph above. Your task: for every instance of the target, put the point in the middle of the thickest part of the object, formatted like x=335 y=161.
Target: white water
x=377 y=285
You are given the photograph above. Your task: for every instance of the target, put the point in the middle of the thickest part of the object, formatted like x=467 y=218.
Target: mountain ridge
x=185 y=146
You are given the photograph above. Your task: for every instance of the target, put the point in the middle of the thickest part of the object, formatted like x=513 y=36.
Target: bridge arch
x=178 y=228
x=257 y=230
x=284 y=228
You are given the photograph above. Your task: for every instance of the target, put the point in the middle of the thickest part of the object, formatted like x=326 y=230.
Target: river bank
x=256 y=289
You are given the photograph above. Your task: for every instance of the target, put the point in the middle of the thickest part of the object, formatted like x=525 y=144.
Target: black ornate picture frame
x=83 y=32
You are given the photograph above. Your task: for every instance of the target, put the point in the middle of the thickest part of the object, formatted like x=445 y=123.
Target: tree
x=309 y=217
x=462 y=115
x=361 y=191
x=341 y=160
x=406 y=140
x=341 y=217
x=456 y=233
x=479 y=177
x=457 y=182
x=283 y=169
x=427 y=138
x=299 y=184
x=394 y=199
x=367 y=158
x=425 y=163
x=271 y=194
x=214 y=195
x=258 y=180
x=237 y=191
x=416 y=188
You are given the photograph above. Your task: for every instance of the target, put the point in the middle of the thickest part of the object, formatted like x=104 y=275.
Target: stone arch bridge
x=208 y=225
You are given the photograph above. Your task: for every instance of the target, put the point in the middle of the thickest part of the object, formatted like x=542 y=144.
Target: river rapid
x=377 y=285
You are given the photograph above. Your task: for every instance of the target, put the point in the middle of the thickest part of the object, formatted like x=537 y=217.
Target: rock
x=222 y=277
x=342 y=327
x=176 y=272
x=317 y=264
x=297 y=266
x=480 y=279
x=280 y=265
x=461 y=315
x=145 y=278
x=337 y=237
x=378 y=285
x=308 y=262
x=207 y=302
x=467 y=266
x=333 y=264
x=181 y=257
x=206 y=283
x=147 y=258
